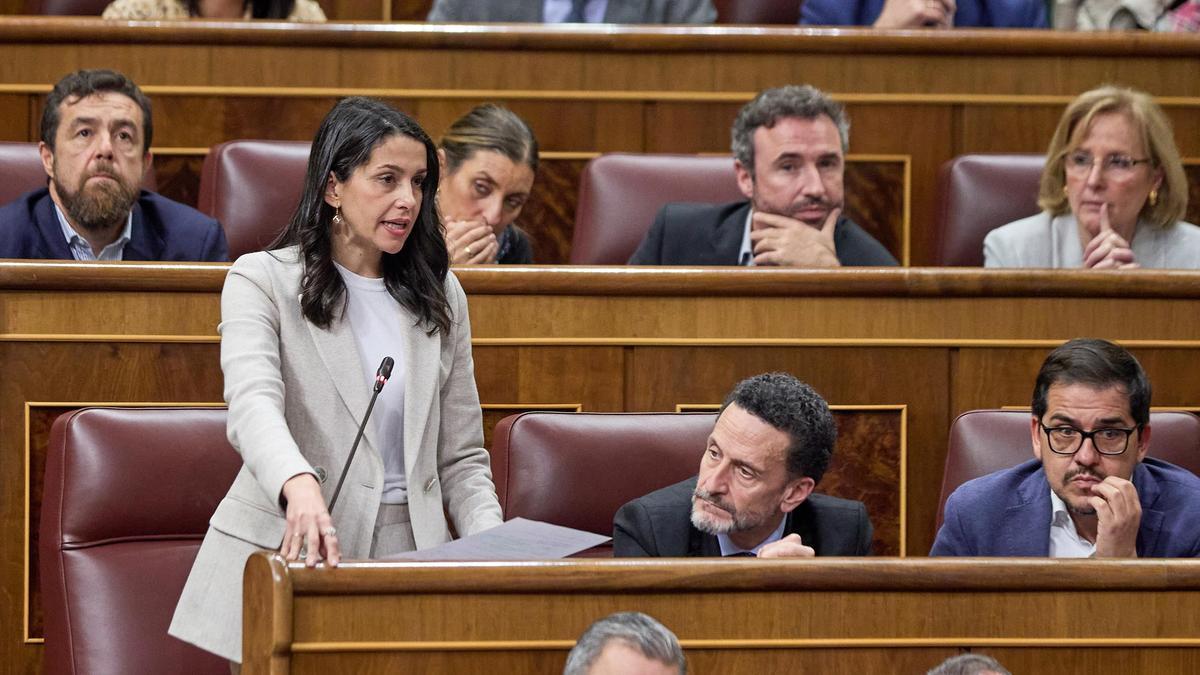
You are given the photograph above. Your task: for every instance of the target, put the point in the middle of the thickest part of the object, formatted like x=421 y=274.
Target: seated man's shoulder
x=174 y=214
x=685 y=212
x=835 y=505
x=984 y=490
x=1184 y=485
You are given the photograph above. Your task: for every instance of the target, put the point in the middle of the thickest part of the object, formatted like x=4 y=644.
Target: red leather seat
x=252 y=188
x=619 y=195
x=758 y=12
x=128 y=495
x=978 y=194
x=577 y=469
x=986 y=441
x=21 y=171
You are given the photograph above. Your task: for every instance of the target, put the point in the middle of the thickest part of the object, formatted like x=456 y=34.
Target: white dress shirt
x=82 y=250
x=1065 y=540
x=730 y=548
x=557 y=11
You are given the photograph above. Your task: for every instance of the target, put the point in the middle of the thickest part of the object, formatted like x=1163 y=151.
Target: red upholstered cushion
x=619 y=195
x=978 y=194
x=253 y=188
x=128 y=494
x=577 y=469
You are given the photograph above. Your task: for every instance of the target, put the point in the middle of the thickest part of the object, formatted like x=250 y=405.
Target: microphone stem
x=353 y=449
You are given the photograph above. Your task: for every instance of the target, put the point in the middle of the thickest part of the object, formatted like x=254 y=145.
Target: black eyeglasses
x=1067 y=440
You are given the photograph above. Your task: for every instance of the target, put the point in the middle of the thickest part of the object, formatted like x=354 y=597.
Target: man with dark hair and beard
x=754 y=494
x=789 y=157
x=1090 y=491
x=95 y=147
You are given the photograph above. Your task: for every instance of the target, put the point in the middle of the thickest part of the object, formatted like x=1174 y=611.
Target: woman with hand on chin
x=1113 y=193
x=489 y=157
x=360 y=273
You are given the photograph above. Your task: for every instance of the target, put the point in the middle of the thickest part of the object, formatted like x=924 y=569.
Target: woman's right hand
x=471 y=242
x=309 y=525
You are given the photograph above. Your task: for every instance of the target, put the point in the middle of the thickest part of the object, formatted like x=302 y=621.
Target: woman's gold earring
x=1154 y=197
x=1065 y=194
x=337 y=216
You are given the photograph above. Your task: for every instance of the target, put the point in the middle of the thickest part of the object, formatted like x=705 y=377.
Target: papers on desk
x=517 y=539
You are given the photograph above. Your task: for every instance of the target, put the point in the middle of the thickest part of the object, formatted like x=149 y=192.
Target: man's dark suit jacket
x=711 y=234
x=162 y=230
x=1007 y=513
x=968 y=14
x=660 y=525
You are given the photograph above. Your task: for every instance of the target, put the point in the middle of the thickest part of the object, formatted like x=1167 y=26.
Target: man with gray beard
x=754 y=493
x=95 y=146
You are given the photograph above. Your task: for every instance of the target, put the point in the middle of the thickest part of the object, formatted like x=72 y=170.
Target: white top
x=376 y=320
x=1065 y=541
x=1042 y=241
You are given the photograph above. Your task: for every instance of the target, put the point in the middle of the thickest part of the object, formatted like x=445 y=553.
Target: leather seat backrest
x=128 y=494
x=620 y=194
x=252 y=188
x=577 y=469
x=979 y=193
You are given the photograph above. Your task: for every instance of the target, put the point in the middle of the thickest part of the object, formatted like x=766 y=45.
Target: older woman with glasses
x=1113 y=193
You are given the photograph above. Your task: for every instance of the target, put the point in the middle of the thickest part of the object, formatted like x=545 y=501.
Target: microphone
x=381 y=378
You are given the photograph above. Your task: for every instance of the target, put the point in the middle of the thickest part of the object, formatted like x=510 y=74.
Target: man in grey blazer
x=589 y=11
x=754 y=494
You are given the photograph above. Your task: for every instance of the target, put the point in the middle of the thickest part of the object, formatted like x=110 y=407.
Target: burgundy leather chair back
x=252 y=188
x=986 y=441
x=21 y=171
x=577 y=469
x=128 y=494
x=978 y=194
x=619 y=195
x=758 y=12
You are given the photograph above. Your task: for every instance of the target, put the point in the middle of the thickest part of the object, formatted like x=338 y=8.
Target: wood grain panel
x=295 y=67
x=14 y=111
x=1008 y=128
x=354 y=10
x=415 y=68
x=516 y=69
x=410 y=10
x=549 y=215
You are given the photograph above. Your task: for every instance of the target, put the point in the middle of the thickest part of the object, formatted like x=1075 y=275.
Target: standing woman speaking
x=360 y=273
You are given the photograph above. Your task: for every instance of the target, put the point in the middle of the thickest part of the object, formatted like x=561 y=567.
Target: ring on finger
x=296 y=535
x=329 y=531
x=468 y=250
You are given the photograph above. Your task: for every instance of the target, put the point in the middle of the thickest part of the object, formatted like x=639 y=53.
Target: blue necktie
x=743 y=554
x=576 y=15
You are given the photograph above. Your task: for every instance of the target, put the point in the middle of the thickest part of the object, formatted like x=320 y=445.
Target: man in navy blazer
x=96 y=131
x=1090 y=491
x=789 y=147
x=925 y=13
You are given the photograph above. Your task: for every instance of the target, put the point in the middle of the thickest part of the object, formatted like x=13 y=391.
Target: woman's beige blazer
x=296 y=394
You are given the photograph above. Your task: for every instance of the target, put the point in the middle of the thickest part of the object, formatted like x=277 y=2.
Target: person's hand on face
x=1119 y=513
x=789 y=547
x=310 y=533
x=1108 y=250
x=916 y=14
x=471 y=242
x=779 y=240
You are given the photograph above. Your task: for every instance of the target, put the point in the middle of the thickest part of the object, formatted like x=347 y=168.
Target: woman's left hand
x=471 y=242
x=310 y=532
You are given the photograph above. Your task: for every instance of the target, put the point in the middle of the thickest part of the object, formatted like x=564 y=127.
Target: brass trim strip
x=28 y=407
x=802 y=643
x=593 y=95
x=569 y=407
x=92 y=337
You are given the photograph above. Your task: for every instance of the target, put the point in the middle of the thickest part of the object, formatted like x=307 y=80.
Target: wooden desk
x=819 y=616
x=915 y=100
x=929 y=342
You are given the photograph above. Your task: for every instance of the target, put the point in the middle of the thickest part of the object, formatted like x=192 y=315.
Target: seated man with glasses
x=1090 y=491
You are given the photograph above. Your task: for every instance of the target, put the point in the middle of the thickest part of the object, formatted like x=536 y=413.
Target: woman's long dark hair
x=415 y=276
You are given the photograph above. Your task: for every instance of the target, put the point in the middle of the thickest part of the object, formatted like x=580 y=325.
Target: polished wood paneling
x=611 y=339
x=410 y=10
x=733 y=616
x=602 y=89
